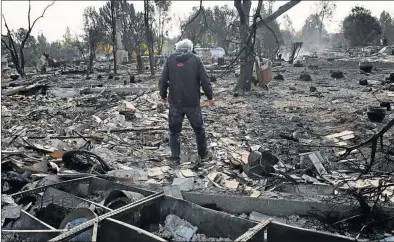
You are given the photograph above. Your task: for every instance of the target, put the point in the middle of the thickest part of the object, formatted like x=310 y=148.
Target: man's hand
x=164 y=100
x=211 y=102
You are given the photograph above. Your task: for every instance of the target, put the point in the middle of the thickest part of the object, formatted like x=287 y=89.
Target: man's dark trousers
x=175 y=119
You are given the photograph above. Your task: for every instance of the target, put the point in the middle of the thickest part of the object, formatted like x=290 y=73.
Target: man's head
x=184 y=44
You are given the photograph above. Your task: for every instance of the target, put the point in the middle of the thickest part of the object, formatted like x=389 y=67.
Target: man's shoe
x=206 y=157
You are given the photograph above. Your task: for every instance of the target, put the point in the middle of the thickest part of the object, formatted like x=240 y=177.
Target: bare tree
x=93 y=33
x=17 y=56
x=325 y=11
x=148 y=9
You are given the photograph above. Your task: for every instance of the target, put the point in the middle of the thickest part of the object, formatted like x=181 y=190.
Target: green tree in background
x=361 y=28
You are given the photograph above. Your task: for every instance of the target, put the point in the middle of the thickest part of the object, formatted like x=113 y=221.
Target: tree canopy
x=361 y=28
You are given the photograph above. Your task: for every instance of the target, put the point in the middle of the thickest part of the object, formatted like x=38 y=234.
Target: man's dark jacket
x=183 y=74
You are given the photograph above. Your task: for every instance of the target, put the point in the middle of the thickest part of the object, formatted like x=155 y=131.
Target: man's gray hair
x=184 y=44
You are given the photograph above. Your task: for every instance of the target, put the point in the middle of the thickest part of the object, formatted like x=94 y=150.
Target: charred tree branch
x=281 y=10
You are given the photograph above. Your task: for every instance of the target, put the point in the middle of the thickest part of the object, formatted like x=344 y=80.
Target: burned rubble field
x=79 y=114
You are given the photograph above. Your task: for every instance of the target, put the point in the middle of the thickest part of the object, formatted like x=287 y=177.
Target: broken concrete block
x=173 y=191
x=317 y=160
x=165 y=169
x=212 y=176
x=12 y=211
x=256 y=194
x=6 y=200
x=215 y=178
x=181 y=229
x=188 y=173
x=185 y=184
x=127 y=107
x=231 y=184
x=178 y=174
x=156 y=173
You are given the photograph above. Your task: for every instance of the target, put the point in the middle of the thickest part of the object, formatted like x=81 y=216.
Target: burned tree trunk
x=22 y=63
x=149 y=38
x=246 y=52
x=91 y=58
x=247 y=37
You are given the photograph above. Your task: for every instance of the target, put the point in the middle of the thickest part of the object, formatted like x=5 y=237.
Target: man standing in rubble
x=183 y=74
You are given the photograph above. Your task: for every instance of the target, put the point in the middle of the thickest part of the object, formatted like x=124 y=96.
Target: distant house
x=210 y=52
x=167 y=49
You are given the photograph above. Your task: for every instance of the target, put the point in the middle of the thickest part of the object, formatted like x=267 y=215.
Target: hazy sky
x=69 y=13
